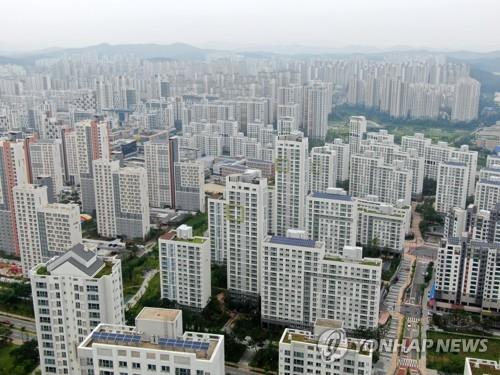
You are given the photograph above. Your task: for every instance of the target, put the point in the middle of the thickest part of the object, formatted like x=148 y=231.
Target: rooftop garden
x=42 y=271
x=105 y=271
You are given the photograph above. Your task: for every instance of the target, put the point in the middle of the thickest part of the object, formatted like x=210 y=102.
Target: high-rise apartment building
x=246 y=225
x=300 y=351
x=105 y=196
x=322 y=169
x=357 y=129
x=73 y=294
x=317 y=106
x=302 y=284
x=384 y=224
x=189 y=179
x=130 y=186
x=487 y=193
x=122 y=203
x=332 y=219
x=342 y=153
x=159 y=166
x=466 y=275
x=466 y=105
x=13 y=171
x=185 y=268
x=93 y=143
x=452 y=182
x=28 y=200
x=291 y=182
x=217 y=229
x=45 y=161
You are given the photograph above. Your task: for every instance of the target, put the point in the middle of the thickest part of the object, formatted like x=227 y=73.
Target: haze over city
x=255 y=25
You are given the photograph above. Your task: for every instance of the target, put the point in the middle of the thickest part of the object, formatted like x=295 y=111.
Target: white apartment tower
x=59 y=227
x=357 y=129
x=217 y=229
x=384 y=223
x=452 y=182
x=131 y=202
x=342 y=153
x=92 y=139
x=159 y=169
x=322 y=169
x=73 y=294
x=298 y=352
x=487 y=193
x=246 y=226
x=185 y=268
x=302 y=284
x=291 y=182
x=45 y=161
x=28 y=200
x=332 y=219
x=105 y=196
x=122 y=203
x=466 y=105
x=189 y=180
x=287 y=266
x=362 y=173
x=317 y=106
x=351 y=285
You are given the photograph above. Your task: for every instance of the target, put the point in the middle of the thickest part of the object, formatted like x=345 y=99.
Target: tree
x=5 y=333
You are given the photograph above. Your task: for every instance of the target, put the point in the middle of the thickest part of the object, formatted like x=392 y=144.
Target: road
x=23 y=329
x=18 y=322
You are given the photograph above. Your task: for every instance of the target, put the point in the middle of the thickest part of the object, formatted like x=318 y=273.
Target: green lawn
x=454 y=362
x=133 y=269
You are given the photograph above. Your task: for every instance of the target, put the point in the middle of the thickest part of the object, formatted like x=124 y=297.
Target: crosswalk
x=408 y=362
x=412 y=319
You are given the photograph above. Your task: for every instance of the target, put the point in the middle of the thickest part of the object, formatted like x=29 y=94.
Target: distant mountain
x=487 y=61
x=146 y=51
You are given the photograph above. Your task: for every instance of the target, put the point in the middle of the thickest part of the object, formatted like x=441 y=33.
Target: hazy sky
x=451 y=24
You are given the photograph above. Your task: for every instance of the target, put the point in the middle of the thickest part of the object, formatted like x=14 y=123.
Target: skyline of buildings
x=144 y=145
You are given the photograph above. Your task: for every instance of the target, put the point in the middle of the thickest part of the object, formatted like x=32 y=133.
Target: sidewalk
x=144 y=286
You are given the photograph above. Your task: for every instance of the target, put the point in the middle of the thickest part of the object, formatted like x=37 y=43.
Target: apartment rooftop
x=293 y=335
x=333 y=196
x=482 y=366
x=180 y=235
x=200 y=345
x=77 y=261
x=159 y=314
x=294 y=242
